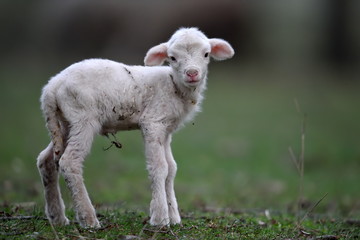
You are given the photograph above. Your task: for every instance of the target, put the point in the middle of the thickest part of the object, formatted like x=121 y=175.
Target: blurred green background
x=235 y=153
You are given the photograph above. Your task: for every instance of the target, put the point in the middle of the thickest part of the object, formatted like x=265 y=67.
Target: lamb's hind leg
x=79 y=144
x=169 y=184
x=54 y=206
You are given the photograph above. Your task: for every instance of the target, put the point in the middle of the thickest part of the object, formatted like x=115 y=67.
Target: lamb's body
x=120 y=97
x=101 y=96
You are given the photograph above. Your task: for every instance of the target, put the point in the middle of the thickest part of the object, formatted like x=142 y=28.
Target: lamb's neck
x=192 y=95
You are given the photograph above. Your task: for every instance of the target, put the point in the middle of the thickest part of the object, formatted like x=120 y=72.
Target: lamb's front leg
x=169 y=184
x=158 y=171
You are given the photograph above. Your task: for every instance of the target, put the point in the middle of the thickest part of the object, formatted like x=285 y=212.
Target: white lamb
x=101 y=96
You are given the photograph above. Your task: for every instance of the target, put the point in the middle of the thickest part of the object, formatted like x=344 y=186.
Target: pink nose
x=192 y=72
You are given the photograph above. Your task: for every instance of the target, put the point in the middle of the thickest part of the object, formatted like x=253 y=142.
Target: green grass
x=233 y=155
x=124 y=224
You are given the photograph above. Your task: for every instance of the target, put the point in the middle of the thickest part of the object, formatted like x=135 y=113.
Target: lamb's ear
x=156 y=55
x=220 y=49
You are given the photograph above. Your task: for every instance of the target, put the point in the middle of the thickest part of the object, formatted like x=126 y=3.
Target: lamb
x=98 y=96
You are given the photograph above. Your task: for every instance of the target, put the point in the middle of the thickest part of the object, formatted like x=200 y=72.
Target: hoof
x=90 y=223
x=59 y=221
x=159 y=222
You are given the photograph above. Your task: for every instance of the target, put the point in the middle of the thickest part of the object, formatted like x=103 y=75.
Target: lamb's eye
x=173 y=58
x=206 y=54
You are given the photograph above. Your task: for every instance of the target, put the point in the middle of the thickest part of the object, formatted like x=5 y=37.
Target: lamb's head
x=188 y=52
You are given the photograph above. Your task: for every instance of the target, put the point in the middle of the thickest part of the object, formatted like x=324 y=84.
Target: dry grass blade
x=19 y=218
x=311 y=209
x=56 y=236
x=114 y=142
x=299 y=162
x=293 y=157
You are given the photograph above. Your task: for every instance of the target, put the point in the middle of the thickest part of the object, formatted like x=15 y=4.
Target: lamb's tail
x=52 y=114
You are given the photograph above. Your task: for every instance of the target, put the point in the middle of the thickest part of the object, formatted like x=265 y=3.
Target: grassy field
x=234 y=155
x=20 y=223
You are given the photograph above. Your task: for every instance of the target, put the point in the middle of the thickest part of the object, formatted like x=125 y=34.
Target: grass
x=124 y=224
x=233 y=156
